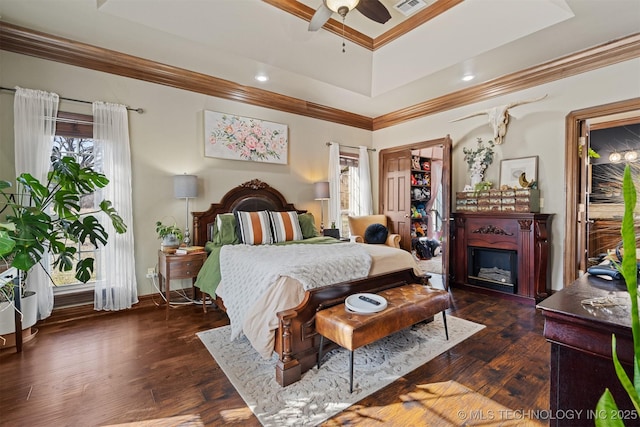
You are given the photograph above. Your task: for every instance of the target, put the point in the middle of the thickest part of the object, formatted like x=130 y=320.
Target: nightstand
x=172 y=267
x=331 y=232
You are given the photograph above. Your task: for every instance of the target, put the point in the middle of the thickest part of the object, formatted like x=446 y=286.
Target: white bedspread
x=248 y=272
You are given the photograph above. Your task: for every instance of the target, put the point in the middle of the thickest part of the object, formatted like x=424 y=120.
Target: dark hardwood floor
x=132 y=366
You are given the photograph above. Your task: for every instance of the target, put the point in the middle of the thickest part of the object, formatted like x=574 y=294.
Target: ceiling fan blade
x=374 y=10
x=322 y=15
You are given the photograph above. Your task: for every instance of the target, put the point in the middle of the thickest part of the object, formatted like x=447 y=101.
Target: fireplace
x=493 y=268
x=501 y=253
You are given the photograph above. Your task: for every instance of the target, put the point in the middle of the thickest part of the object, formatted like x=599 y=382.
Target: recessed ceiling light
x=262 y=78
x=468 y=77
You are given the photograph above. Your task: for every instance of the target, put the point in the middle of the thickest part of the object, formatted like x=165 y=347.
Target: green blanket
x=209 y=276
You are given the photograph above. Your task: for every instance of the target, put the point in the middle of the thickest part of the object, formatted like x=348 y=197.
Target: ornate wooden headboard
x=254 y=195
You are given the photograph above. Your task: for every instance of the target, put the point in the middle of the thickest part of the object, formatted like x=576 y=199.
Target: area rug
x=324 y=392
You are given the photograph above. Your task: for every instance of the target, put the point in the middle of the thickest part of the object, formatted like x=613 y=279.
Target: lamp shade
x=321 y=190
x=185 y=186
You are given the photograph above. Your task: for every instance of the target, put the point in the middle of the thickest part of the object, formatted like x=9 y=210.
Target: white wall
x=168 y=139
x=536 y=129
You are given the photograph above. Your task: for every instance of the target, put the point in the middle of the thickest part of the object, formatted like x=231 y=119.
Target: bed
x=282 y=319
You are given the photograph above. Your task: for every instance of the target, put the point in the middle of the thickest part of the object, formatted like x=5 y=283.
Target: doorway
x=593 y=205
x=415 y=195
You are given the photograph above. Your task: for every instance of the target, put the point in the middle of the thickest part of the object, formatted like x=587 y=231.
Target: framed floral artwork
x=233 y=137
x=517 y=173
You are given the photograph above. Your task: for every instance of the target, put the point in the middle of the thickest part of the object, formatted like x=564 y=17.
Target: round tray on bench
x=356 y=304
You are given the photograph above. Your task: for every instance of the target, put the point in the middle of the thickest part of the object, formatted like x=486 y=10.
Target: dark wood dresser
x=580 y=336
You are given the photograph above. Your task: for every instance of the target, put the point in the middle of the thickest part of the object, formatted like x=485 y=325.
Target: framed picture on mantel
x=517 y=173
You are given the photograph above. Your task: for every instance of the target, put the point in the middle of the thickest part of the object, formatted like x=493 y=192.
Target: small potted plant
x=171 y=236
x=478 y=160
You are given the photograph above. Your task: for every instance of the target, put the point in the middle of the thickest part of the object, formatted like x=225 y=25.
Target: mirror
x=415 y=195
x=617 y=143
x=592 y=210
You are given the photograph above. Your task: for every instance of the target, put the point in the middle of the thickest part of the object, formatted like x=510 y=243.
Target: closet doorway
x=415 y=194
x=594 y=205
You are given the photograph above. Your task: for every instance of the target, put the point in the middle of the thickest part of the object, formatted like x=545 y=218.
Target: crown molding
x=303 y=11
x=415 y=20
x=334 y=26
x=600 y=56
x=45 y=46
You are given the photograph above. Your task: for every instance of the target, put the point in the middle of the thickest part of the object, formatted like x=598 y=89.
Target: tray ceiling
x=236 y=39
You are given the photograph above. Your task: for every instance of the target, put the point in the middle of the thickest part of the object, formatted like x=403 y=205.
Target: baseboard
x=67 y=314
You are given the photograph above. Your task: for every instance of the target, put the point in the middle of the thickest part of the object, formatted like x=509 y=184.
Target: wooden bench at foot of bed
x=407 y=305
x=297 y=341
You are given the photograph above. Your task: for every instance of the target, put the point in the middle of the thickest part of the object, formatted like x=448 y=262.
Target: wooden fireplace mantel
x=525 y=233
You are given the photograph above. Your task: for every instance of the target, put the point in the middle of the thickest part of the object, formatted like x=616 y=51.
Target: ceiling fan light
x=335 y=5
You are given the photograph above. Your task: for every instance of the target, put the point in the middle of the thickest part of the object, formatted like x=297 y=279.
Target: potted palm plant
x=9 y=283
x=47 y=218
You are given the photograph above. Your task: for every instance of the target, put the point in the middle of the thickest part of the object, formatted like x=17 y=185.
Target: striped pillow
x=285 y=226
x=255 y=228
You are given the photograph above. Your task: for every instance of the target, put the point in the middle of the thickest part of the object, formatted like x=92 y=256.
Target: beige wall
x=167 y=140
x=536 y=129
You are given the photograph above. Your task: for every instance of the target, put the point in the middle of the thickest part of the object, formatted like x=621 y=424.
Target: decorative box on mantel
x=514 y=200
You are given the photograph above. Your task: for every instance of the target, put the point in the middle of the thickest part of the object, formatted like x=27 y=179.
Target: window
x=74 y=138
x=349 y=183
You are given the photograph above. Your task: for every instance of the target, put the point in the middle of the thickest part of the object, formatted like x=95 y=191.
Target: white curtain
x=365 y=204
x=116 y=286
x=34 y=113
x=334 y=183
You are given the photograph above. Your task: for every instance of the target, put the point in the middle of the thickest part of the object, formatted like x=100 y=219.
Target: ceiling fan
x=372 y=9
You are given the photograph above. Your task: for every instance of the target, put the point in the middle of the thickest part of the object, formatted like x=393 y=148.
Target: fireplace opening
x=493 y=268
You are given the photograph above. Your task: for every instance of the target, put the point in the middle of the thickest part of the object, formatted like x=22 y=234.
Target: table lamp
x=321 y=190
x=185 y=187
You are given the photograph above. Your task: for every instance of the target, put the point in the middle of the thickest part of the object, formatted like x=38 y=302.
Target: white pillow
x=285 y=226
x=255 y=227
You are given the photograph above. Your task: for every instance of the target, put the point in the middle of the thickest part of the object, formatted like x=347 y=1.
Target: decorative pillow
x=285 y=226
x=224 y=232
x=255 y=227
x=308 y=225
x=376 y=233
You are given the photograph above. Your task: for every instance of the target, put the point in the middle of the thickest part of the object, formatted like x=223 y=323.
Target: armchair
x=358 y=225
